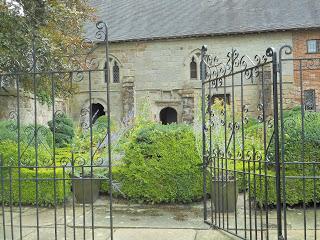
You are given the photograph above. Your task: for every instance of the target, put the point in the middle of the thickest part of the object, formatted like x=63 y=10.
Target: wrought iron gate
x=260 y=154
x=37 y=173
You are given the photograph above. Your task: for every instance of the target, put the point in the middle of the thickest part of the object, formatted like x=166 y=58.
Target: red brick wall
x=310 y=73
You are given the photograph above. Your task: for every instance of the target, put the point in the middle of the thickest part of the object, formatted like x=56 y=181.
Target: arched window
x=116 y=73
x=193 y=69
x=113 y=71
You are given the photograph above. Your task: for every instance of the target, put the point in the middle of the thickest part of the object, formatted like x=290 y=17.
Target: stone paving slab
x=155 y=234
x=213 y=235
x=142 y=221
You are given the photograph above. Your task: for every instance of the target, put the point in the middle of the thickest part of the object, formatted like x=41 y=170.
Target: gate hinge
x=278 y=68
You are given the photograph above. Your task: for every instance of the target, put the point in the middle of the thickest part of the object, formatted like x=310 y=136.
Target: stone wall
x=9 y=108
x=158 y=71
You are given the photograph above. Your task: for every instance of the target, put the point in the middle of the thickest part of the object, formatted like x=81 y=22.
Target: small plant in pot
x=86 y=180
x=224 y=192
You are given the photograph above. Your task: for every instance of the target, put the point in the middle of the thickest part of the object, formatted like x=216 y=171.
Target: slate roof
x=131 y=20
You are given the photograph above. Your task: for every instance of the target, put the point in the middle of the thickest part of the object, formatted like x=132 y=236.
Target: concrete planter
x=83 y=191
x=224 y=195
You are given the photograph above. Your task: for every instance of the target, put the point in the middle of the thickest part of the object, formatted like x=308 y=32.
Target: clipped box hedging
x=28 y=186
x=295 y=193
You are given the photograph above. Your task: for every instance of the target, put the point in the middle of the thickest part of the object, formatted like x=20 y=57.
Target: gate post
x=203 y=111
x=271 y=52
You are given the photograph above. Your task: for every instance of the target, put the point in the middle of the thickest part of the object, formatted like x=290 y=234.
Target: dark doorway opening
x=97 y=110
x=168 y=115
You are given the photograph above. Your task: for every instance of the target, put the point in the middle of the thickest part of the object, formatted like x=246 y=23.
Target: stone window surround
x=195 y=54
x=175 y=104
x=112 y=61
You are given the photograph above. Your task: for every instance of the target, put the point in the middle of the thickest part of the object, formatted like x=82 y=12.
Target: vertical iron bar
x=243 y=108
x=210 y=146
x=302 y=150
x=34 y=60
x=19 y=154
x=2 y=197
x=73 y=178
x=249 y=196
x=225 y=155
x=314 y=200
x=54 y=155
x=109 y=133
x=64 y=202
x=273 y=53
x=11 y=203
x=203 y=110
x=83 y=202
x=264 y=104
x=284 y=205
x=73 y=196
x=234 y=145
x=249 y=183
x=255 y=192
x=217 y=183
x=91 y=153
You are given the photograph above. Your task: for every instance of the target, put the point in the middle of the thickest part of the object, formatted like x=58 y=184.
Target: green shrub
x=298 y=147
x=9 y=153
x=161 y=164
x=9 y=131
x=104 y=187
x=28 y=187
x=63 y=129
x=294 y=189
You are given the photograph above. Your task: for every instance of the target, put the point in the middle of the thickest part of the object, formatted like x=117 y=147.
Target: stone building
x=155 y=49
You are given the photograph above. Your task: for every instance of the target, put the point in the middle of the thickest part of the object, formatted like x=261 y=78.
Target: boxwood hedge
x=161 y=164
x=9 y=191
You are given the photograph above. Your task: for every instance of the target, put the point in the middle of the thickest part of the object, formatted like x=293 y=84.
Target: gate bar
x=271 y=52
x=203 y=110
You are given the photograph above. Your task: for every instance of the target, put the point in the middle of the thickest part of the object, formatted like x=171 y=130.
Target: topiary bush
x=63 y=129
x=161 y=164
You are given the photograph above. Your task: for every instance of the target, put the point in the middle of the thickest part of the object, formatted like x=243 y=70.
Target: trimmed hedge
x=28 y=187
x=9 y=131
x=104 y=187
x=161 y=164
x=297 y=148
x=294 y=189
x=9 y=153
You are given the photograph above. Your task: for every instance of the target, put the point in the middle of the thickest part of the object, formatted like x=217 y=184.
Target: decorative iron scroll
x=217 y=69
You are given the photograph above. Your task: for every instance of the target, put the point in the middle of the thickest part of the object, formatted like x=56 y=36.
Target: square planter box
x=83 y=192
x=224 y=195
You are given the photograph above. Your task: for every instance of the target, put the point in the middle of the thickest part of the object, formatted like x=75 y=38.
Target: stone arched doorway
x=97 y=110
x=168 y=115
